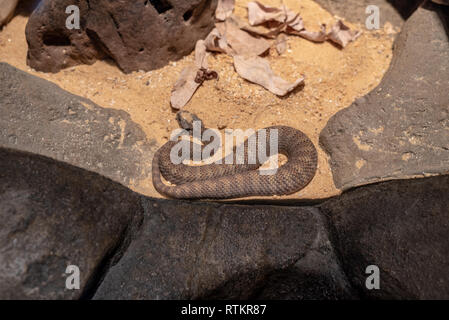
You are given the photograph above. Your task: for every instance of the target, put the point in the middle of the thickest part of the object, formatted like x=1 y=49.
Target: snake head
x=185 y=120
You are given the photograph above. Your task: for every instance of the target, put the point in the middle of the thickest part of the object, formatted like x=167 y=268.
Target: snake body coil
x=220 y=181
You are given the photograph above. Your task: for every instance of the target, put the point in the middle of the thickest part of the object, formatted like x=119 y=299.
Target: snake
x=221 y=180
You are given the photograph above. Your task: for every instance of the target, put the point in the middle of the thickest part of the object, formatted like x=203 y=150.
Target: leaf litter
x=247 y=43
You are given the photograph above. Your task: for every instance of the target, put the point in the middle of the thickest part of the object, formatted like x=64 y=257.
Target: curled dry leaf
x=239 y=41
x=184 y=87
x=342 y=34
x=217 y=42
x=319 y=36
x=281 y=44
x=268 y=30
x=201 y=55
x=258 y=70
x=293 y=21
x=269 y=33
x=279 y=20
x=285 y=20
x=224 y=9
x=230 y=37
x=259 y=14
x=191 y=77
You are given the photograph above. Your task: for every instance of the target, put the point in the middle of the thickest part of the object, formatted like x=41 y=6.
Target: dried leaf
x=233 y=37
x=224 y=9
x=342 y=34
x=281 y=44
x=217 y=42
x=259 y=14
x=266 y=31
x=192 y=77
x=269 y=33
x=258 y=70
x=240 y=42
x=293 y=20
x=319 y=36
x=285 y=20
x=184 y=87
x=201 y=55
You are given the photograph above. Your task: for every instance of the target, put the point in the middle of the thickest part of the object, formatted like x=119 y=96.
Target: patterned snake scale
x=224 y=181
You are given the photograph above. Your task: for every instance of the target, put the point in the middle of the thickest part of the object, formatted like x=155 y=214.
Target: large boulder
x=137 y=35
x=37 y=116
x=402 y=228
x=401 y=128
x=210 y=250
x=53 y=215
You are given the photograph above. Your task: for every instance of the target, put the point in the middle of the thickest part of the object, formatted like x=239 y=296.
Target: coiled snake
x=221 y=181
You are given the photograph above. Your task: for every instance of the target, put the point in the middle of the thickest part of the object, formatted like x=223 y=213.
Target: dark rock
x=401 y=128
x=393 y=11
x=39 y=117
x=317 y=275
x=137 y=35
x=51 y=45
x=406 y=7
x=209 y=250
x=401 y=227
x=53 y=215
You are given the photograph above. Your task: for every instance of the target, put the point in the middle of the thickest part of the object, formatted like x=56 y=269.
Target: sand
x=334 y=79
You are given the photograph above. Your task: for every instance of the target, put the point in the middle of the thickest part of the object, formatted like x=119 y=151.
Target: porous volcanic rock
x=137 y=35
x=402 y=228
x=38 y=116
x=401 y=128
x=53 y=215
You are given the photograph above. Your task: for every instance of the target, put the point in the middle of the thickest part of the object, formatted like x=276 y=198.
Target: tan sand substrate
x=334 y=79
